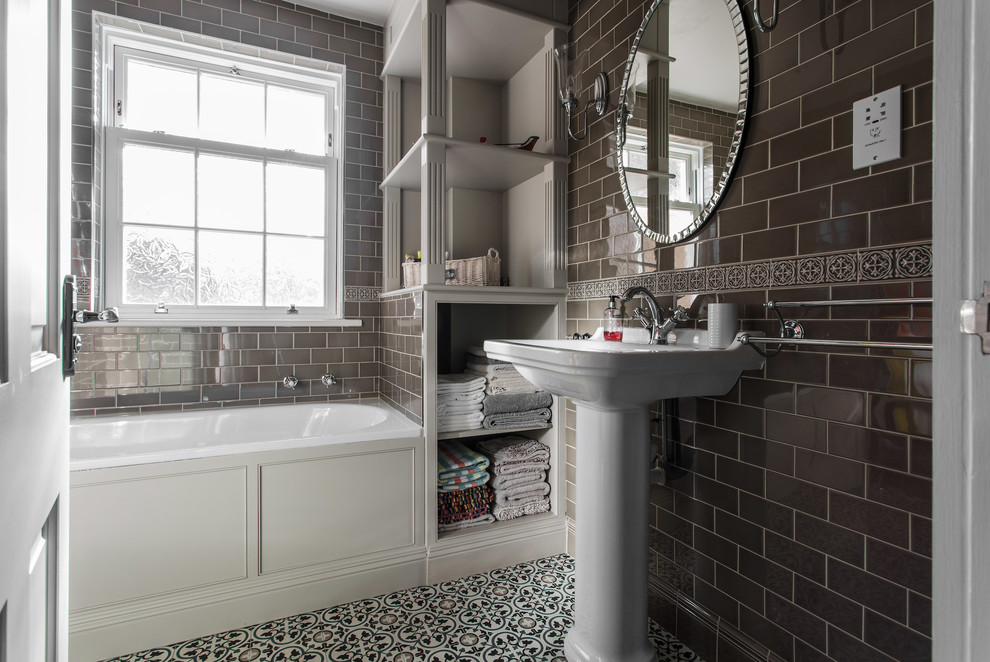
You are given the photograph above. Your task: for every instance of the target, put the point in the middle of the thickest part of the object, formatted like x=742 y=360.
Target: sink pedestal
x=611 y=558
x=613 y=385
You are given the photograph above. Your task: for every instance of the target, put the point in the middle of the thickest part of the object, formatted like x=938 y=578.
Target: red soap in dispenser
x=612 y=321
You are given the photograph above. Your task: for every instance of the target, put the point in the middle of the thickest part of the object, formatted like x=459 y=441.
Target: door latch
x=72 y=341
x=974 y=317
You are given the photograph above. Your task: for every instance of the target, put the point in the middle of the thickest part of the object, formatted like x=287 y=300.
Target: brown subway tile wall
x=149 y=369
x=797 y=510
x=193 y=362
x=401 y=354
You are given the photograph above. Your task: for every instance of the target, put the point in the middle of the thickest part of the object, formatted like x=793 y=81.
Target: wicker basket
x=484 y=270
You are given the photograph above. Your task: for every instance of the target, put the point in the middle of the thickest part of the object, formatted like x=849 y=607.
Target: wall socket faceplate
x=877 y=128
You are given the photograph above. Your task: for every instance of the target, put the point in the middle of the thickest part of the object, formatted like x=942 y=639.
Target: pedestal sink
x=613 y=385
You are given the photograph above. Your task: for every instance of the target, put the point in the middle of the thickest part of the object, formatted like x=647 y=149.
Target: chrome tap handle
x=328 y=380
x=640 y=314
x=679 y=314
x=290 y=382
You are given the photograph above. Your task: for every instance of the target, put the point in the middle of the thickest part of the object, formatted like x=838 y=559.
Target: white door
x=33 y=394
x=961 y=371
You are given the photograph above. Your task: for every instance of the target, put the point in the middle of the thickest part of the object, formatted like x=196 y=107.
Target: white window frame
x=119 y=44
x=690 y=151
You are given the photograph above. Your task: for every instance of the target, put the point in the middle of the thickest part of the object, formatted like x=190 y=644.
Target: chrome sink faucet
x=658 y=323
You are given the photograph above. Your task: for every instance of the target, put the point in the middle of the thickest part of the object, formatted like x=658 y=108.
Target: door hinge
x=974 y=317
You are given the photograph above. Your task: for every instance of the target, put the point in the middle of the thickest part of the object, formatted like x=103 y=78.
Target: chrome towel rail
x=747 y=339
x=772 y=305
x=792 y=332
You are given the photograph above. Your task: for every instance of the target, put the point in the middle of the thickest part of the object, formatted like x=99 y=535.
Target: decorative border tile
x=871 y=264
x=354 y=293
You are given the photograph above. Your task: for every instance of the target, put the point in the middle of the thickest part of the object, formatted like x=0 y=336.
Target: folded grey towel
x=507 y=512
x=528 y=477
x=477 y=521
x=516 y=450
x=502 y=403
x=522 y=494
x=534 y=418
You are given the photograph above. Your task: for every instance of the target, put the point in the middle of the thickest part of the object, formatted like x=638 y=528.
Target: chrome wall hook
x=766 y=27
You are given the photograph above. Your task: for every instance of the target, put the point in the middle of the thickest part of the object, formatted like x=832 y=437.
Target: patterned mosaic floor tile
x=515 y=614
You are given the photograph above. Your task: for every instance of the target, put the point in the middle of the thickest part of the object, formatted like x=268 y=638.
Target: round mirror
x=682 y=114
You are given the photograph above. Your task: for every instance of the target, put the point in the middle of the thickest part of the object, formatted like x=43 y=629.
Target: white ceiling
x=371 y=11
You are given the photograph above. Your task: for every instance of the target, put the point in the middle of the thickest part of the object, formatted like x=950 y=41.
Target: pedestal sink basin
x=613 y=385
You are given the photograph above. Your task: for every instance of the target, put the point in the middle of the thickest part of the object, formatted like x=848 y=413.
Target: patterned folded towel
x=477 y=354
x=476 y=396
x=460 y=383
x=485 y=519
x=467 y=482
x=454 y=459
x=491 y=369
x=535 y=418
x=502 y=403
x=522 y=495
x=514 y=451
x=463 y=500
x=509 y=481
x=507 y=512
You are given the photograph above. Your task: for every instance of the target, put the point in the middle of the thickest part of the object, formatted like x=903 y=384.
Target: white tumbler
x=723 y=323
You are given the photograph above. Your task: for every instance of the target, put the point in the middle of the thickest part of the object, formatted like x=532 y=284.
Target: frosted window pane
x=230 y=268
x=295 y=272
x=296 y=120
x=232 y=110
x=158 y=186
x=680 y=219
x=230 y=193
x=296 y=199
x=680 y=185
x=160 y=99
x=158 y=266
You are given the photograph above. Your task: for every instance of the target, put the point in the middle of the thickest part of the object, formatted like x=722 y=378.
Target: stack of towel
x=510 y=401
x=519 y=480
x=516 y=410
x=500 y=376
x=462 y=494
x=459 y=400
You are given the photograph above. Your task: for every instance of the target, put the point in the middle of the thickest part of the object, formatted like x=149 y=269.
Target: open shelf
x=497 y=527
x=477 y=33
x=472 y=165
x=482 y=432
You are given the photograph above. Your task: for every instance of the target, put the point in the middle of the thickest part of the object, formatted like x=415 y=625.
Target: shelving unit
x=457 y=72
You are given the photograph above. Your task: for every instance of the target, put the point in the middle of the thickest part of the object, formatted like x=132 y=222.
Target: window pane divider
x=217 y=147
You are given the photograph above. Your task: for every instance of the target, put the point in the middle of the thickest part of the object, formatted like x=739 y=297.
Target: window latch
x=120 y=108
x=292 y=310
x=161 y=309
x=329 y=141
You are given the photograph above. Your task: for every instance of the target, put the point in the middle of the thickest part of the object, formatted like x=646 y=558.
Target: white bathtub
x=117 y=441
x=189 y=523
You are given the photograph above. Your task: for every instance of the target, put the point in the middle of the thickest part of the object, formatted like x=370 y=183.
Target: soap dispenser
x=612 y=321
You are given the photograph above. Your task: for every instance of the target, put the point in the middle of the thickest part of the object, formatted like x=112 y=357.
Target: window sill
x=240 y=322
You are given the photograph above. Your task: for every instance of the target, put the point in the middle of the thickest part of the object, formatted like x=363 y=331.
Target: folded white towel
x=449 y=422
x=495 y=369
x=446 y=408
x=460 y=383
x=476 y=396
